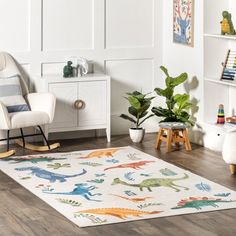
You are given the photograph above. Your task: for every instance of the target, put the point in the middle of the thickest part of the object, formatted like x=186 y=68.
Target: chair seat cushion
x=173 y=125
x=28 y=119
x=11 y=94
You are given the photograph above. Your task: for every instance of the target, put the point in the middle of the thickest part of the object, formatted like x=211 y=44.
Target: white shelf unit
x=223 y=82
x=219 y=36
x=216 y=45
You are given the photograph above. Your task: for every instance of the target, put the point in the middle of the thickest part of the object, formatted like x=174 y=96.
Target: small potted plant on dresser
x=139 y=109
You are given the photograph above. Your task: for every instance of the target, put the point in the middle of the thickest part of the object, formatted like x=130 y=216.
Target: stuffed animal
x=227 y=27
x=68 y=70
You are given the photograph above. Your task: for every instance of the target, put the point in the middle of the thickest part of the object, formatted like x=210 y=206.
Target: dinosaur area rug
x=115 y=185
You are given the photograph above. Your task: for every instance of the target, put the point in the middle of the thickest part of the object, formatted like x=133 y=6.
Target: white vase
x=136 y=135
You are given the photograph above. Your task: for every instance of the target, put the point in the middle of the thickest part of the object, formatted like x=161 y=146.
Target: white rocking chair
x=15 y=113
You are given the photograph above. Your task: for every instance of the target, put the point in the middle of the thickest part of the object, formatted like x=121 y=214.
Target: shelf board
x=223 y=82
x=219 y=36
x=224 y=127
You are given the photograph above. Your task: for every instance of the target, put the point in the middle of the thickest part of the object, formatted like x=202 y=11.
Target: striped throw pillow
x=11 y=94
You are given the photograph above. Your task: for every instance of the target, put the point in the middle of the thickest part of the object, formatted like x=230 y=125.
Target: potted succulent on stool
x=139 y=105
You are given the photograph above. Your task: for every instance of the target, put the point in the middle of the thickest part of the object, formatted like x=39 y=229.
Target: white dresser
x=83 y=103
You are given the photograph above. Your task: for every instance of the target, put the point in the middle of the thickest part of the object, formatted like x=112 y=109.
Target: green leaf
x=159 y=91
x=170 y=103
x=168 y=81
x=143 y=114
x=134 y=102
x=140 y=97
x=167 y=93
x=145 y=106
x=181 y=98
x=165 y=71
x=162 y=112
x=128 y=118
x=133 y=111
x=135 y=93
x=180 y=79
x=186 y=106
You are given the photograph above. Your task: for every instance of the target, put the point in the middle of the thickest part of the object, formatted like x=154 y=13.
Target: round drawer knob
x=79 y=104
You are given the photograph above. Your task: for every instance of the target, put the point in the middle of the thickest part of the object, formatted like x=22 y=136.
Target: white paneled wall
x=121 y=36
x=128 y=24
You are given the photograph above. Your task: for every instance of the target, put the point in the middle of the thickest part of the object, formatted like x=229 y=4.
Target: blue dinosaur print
x=100 y=175
x=203 y=187
x=128 y=176
x=146 y=175
x=96 y=181
x=44 y=174
x=114 y=161
x=167 y=172
x=80 y=189
x=130 y=193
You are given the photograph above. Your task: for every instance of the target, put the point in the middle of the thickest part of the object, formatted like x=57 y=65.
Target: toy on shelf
x=229 y=66
x=221 y=115
x=68 y=70
x=227 y=27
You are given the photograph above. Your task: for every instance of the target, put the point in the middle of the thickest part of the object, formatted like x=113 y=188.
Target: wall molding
x=36 y=59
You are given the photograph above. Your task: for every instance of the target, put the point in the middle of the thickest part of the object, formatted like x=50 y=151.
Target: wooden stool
x=173 y=132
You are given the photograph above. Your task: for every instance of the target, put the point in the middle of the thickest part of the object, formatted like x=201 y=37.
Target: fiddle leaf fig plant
x=138 y=109
x=177 y=105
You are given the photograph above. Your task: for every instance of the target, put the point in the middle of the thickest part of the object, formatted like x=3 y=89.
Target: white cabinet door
x=94 y=96
x=65 y=113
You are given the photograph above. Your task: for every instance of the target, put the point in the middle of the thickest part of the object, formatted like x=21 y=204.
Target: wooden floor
x=22 y=213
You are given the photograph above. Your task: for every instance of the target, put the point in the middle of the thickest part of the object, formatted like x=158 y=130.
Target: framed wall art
x=183 y=22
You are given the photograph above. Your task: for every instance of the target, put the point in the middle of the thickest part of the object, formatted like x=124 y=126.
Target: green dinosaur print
x=69 y=202
x=26 y=177
x=92 y=164
x=155 y=182
x=96 y=181
x=32 y=159
x=56 y=166
x=145 y=205
x=199 y=202
x=94 y=219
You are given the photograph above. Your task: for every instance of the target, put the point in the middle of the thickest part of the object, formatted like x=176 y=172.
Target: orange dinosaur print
x=101 y=153
x=134 y=165
x=121 y=213
x=136 y=199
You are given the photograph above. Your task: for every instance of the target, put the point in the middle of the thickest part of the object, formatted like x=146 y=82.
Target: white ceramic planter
x=136 y=135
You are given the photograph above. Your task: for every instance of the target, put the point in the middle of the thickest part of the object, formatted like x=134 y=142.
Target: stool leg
x=176 y=136
x=186 y=140
x=169 y=140
x=158 y=141
x=232 y=169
